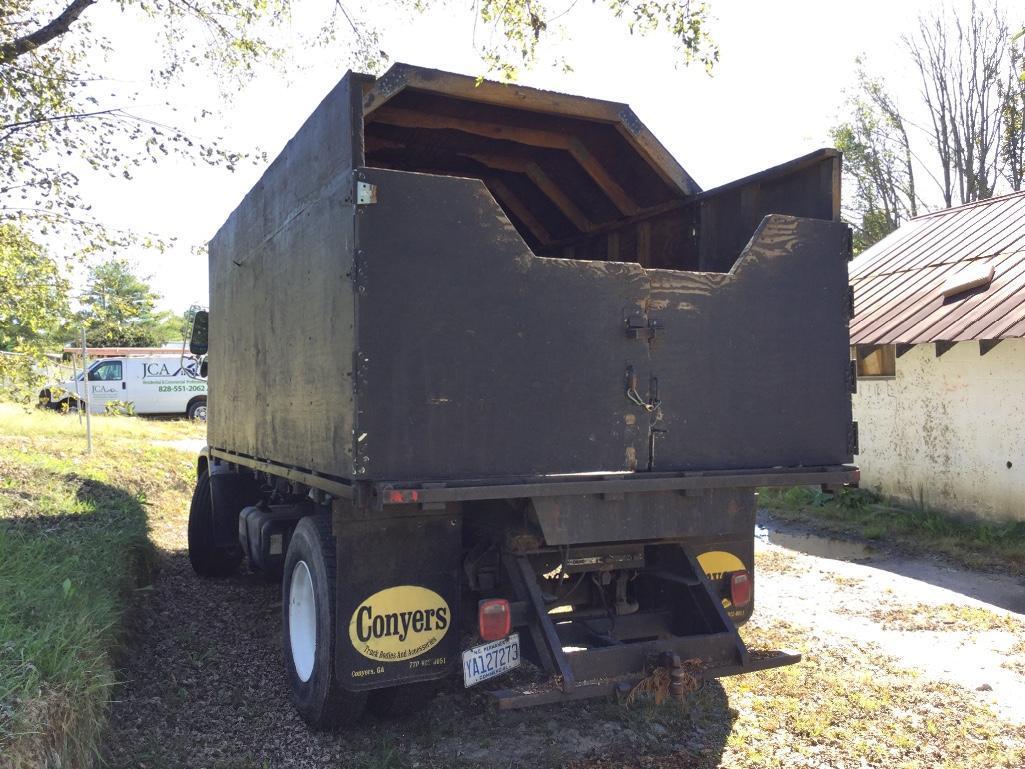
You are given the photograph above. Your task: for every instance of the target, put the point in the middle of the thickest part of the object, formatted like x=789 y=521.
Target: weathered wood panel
x=751 y=364
x=478 y=358
x=281 y=332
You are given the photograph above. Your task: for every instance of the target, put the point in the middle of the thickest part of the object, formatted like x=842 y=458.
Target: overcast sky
x=774 y=95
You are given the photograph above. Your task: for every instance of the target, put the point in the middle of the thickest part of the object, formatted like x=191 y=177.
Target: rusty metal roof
x=899 y=282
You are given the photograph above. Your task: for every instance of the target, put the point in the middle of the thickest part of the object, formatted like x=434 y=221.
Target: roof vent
x=973 y=276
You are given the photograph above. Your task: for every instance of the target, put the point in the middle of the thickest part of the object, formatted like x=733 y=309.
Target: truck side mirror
x=203 y=369
x=198 y=340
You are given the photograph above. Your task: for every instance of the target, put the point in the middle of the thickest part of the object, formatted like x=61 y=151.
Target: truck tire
x=308 y=622
x=207 y=559
x=398 y=701
x=196 y=409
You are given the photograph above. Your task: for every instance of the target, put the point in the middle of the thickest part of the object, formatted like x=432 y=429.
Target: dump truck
x=492 y=380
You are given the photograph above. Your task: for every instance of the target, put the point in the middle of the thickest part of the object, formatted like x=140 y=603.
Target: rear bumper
x=528 y=696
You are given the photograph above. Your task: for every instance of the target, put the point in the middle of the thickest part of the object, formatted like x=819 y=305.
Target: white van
x=154 y=385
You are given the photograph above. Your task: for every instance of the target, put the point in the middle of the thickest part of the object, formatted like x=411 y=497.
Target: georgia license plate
x=491 y=659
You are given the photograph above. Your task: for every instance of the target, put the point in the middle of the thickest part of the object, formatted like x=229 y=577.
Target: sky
x=774 y=95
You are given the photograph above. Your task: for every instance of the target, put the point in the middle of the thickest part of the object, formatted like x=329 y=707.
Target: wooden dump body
x=440 y=284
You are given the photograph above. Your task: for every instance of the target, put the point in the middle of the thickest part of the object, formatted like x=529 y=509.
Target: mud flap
x=229 y=493
x=397 y=600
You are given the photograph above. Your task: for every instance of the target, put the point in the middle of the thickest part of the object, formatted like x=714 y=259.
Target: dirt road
x=907 y=662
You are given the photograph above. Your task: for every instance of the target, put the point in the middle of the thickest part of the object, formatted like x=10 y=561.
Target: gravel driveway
x=204 y=685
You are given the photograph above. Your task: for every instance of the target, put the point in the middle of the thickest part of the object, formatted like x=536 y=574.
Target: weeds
x=859 y=512
x=944 y=617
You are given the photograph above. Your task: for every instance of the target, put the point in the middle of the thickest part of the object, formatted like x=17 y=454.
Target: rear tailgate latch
x=639 y=325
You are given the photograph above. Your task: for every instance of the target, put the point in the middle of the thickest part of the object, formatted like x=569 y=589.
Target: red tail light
x=494 y=619
x=740 y=588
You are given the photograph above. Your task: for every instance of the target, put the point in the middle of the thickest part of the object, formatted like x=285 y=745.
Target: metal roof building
x=940 y=421
x=951 y=276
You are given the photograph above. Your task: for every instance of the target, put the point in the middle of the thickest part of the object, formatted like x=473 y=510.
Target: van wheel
x=398 y=701
x=308 y=619
x=196 y=409
x=207 y=559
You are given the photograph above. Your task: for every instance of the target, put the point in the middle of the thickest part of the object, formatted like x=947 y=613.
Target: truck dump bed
x=440 y=284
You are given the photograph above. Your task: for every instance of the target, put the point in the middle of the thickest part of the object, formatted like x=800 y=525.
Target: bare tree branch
x=961 y=62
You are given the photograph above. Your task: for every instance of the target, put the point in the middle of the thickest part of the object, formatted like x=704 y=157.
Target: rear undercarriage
x=412 y=577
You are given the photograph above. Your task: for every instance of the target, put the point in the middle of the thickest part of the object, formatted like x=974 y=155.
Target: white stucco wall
x=942 y=432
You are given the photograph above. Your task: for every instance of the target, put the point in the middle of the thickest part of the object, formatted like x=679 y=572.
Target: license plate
x=491 y=659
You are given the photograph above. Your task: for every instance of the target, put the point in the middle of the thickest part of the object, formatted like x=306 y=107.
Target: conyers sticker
x=399 y=623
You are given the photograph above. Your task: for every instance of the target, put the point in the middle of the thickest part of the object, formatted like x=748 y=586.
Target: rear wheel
x=196 y=409
x=308 y=619
x=207 y=559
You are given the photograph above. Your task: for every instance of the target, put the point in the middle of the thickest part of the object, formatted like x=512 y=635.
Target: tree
x=877 y=160
x=972 y=91
x=1012 y=112
x=962 y=61
x=33 y=308
x=119 y=309
x=59 y=117
x=33 y=294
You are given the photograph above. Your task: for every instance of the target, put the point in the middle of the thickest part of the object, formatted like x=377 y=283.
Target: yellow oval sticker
x=718 y=563
x=399 y=623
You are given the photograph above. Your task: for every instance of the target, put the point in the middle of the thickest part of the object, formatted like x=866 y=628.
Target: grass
x=846 y=704
x=858 y=512
x=73 y=547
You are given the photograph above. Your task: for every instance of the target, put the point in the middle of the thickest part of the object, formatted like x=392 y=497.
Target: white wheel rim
x=302 y=621
x=200 y=413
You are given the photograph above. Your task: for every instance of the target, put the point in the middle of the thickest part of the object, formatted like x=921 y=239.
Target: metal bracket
x=391 y=83
x=985 y=345
x=366 y=193
x=542 y=629
x=630 y=120
x=635 y=322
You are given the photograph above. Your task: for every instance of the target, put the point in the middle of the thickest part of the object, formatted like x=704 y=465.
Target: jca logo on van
x=399 y=623
x=160 y=369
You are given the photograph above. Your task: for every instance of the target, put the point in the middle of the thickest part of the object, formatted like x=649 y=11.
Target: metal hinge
x=850 y=302
x=852 y=377
x=852 y=439
x=849 y=244
x=366 y=193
